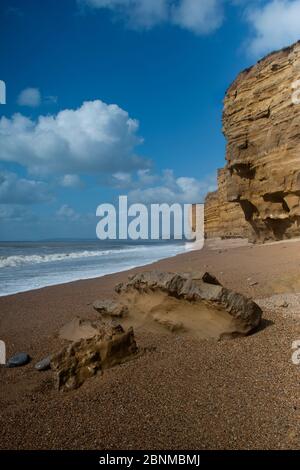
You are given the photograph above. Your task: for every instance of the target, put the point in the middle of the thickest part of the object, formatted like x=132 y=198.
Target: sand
x=160 y=313
x=183 y=392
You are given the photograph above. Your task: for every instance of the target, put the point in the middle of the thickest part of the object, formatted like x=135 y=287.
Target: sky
x=119 y=97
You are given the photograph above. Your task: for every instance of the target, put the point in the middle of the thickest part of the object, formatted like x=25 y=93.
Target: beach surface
x=181 y=392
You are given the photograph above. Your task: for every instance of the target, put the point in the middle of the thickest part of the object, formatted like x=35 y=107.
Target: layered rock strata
x=107 y=347
x=259 y=189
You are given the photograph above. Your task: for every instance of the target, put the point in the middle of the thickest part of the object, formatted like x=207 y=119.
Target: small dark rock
x=18 y=360
x=44 y=364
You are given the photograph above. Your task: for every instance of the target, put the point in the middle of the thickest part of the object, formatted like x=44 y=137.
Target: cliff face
x=259 y=189
x=223 y=218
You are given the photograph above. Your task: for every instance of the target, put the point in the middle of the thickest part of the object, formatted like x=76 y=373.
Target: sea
x=31 y=265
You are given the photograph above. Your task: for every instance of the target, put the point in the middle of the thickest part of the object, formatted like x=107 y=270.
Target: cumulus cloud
x=16 y=190
x=198 y=16
x=169 y=189
x=94 y=138
x=67 y=212
x=121 y=180
x=16 y=213
x=30 y=97
x=275 y=25
x=146 y=186
x=71 y=217
x=129 y=181
x=71 y=181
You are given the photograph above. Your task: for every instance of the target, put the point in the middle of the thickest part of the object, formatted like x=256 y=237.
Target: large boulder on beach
x=193 y=302
x=83 y=359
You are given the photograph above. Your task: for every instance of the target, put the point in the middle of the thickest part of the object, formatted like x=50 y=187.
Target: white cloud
x=275 y=24
x=147 y=187
x=121 y=179
x=71 y=181
x=146 y=178
x=129 y=181
x=67 y=212
x=170 y=189
x=71 y=217
x=16 y=213
x=30 y=97
x=16 y=190
x=93 y=138
x=198 y=16
x=141 y=14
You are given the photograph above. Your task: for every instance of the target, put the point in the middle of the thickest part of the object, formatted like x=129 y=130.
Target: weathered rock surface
x=82 y=359
x=193 y=290
x=222 y=218
x=259 y=189
x=110 y=308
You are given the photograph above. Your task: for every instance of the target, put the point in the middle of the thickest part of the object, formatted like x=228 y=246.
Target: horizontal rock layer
x=259 y=189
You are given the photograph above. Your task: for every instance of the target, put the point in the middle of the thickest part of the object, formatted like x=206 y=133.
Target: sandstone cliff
x=258 y=192
x=223 y=218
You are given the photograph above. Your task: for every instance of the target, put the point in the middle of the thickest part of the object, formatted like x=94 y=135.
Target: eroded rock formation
x=96 y=351
x=178 y=303
x=110 y=308
x=189 y=302
x=259 y=189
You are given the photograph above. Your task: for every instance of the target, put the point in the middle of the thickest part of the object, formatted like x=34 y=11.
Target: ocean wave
x=19 y=260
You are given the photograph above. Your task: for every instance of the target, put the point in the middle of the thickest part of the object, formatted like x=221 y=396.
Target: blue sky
x=109 y=97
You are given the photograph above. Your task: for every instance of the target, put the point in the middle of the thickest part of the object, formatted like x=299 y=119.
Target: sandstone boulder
x=83 y=359
x=195 y=299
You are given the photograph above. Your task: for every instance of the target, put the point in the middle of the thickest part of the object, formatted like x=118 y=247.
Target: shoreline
x=71 y=282
x=232 y=394
x=126 y=269
x=88 y=270
x=210 y=245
